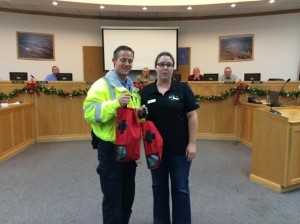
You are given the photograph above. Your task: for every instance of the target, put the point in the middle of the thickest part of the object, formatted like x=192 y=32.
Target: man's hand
x=124 y=99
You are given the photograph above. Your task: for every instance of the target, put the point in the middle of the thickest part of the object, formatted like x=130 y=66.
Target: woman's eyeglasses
x=162 y=65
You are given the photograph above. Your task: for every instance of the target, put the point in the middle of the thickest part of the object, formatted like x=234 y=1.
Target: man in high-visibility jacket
x=100 y=108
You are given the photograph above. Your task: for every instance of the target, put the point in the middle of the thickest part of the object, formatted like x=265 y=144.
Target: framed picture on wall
x=35 y=46
x=183 y=56
x=236 y=48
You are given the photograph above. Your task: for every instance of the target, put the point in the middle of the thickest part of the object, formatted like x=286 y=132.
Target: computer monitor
x=64 y=77
x=18 y=76
x=211 y=76
x=177 y=77
x=252 y=76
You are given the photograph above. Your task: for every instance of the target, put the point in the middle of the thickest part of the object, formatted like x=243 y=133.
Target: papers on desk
x=7 y=104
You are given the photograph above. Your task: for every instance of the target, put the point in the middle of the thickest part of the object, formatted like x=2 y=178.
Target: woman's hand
x=142 y=112
x=191 y=151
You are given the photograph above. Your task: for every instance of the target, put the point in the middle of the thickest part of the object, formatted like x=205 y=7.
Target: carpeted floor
x=56 y=183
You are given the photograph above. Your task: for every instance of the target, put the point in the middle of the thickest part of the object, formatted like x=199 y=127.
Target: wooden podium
x=276 y=148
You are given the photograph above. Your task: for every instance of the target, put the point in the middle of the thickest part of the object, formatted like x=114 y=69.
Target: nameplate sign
x=42 y=82
x=17 y=82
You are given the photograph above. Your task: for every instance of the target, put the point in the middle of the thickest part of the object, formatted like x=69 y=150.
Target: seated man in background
x=228 y=76
x=52 y=76
x=196 y=76
x=145 y=77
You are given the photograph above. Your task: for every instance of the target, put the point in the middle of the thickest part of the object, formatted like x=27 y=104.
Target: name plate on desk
x=229 y=82
x=3 y=104
x=89 y=82
x=42 y=82
x=17 y=82
x=257 y=82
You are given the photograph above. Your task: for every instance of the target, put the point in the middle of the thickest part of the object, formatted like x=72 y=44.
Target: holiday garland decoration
x=33 y=87
x=241 y=88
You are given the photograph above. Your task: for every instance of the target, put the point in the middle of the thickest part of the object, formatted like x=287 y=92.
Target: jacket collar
x=114 y=80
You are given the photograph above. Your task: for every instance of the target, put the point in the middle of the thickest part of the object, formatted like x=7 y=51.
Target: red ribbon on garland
x=240 y=90
x=32 y=87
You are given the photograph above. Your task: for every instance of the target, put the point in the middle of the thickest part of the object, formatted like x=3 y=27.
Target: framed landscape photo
x=236 y=48
x=35 y=46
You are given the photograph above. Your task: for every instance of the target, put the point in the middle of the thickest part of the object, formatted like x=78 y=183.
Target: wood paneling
x=276 y=148
x=61 y=118
x=17 y=129
x=245 y=122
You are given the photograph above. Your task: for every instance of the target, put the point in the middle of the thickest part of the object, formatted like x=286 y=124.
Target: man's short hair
x=122 y=48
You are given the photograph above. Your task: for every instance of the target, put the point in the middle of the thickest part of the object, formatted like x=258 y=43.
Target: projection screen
x=147 y=43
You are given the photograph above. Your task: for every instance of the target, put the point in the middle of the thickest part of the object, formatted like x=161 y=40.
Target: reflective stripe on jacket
x=101 y=103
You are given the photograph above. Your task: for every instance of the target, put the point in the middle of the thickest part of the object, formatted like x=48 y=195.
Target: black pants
x=117 y=181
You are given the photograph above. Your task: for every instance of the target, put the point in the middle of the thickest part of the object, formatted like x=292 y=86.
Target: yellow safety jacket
x=101 y=103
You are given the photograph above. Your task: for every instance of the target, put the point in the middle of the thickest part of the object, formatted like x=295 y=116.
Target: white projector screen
x=146 y=43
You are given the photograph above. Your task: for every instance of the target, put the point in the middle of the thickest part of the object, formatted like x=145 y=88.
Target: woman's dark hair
x=164 y=53
x=122 y=48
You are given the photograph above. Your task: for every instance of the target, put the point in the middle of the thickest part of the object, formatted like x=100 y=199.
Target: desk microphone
x=33 y=77
x=276 y=98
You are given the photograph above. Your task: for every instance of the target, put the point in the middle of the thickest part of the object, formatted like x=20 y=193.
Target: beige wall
x=276 y=43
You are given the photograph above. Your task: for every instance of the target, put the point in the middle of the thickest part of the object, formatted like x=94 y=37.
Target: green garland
x=241 y=88
x=34 y=88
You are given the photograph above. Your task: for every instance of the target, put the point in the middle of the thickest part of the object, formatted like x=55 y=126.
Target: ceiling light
x=233 y=5
x=102 y=7
x=145 y=8
x=159 y=2
x=189 y=8
x=272 y=1
x=54 y=3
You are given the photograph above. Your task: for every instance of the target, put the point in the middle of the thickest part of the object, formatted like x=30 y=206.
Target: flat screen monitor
x=177 y=77
x=18 y=76
x=64 y=77
x=211 y=76
x=252 y=76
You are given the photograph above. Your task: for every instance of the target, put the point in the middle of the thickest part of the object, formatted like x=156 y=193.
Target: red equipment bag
x=128 y=135
x=153 y=144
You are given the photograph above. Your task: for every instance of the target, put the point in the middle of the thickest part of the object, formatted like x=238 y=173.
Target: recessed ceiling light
x=145 y=8
x=233 y=5
x=54 y=3
x=102 y=7
x=189 y=8
x=272 y=1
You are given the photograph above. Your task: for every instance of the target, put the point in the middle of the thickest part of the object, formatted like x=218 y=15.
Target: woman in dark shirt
x=172 y=106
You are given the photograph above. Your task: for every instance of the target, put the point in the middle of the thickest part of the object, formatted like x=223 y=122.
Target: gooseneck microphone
x=33 y=77
x=276 y=98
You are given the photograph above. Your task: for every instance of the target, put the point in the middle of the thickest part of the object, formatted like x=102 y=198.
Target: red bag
x=153 y=144
x=128 y=135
